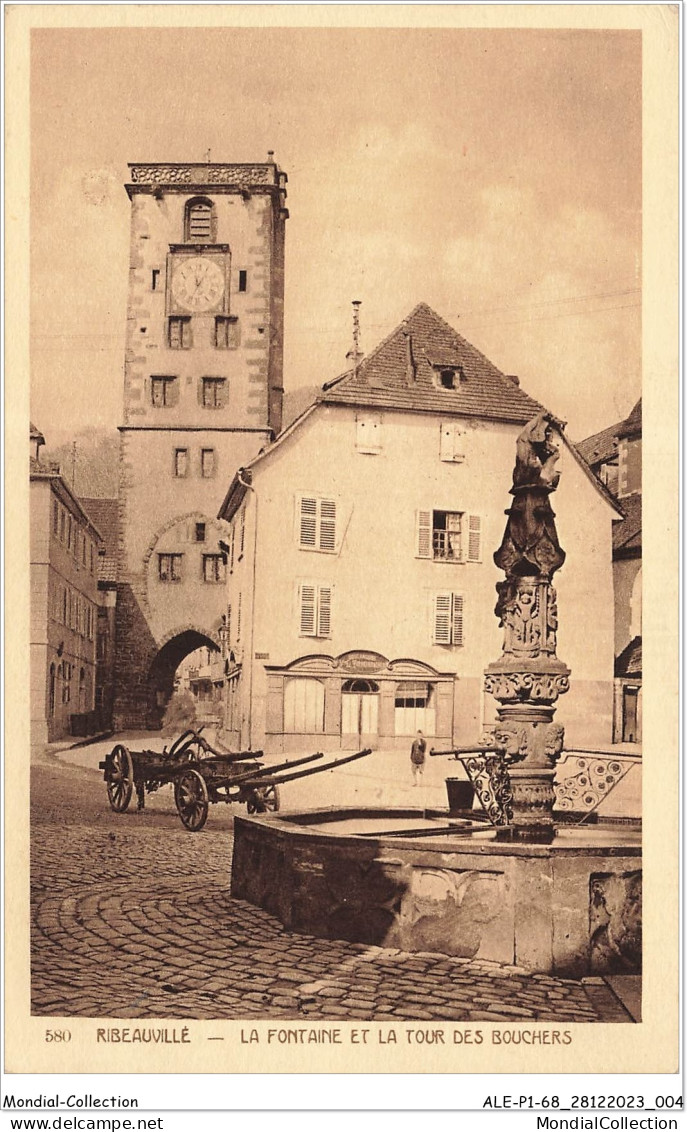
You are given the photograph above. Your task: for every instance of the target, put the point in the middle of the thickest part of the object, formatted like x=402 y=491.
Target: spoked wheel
x=184 y=746
x=191 y=797
x=265 y=800
x=120 y=784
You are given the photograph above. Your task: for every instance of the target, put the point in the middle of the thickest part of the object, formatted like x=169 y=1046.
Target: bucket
x=461 y=795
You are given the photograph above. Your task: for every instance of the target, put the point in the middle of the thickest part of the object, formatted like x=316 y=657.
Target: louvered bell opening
x=200 y=223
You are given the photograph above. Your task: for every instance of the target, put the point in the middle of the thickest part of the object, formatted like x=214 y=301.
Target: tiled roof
x=632 y=425
x=403 y=373
x=627 y=534
x=629 y=663
x=105 y=515
x=600 y=447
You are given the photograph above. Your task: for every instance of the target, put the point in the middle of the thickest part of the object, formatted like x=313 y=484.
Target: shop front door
x=359 y=714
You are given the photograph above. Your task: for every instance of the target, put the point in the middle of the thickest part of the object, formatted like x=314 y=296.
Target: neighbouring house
x=360 y=580
x=615 y=455
x=105 y=514
x=65 y=543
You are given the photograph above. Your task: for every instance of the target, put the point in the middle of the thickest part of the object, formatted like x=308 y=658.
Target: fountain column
x=528 y=678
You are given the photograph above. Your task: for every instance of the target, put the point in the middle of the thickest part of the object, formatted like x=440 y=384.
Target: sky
x=494 y=174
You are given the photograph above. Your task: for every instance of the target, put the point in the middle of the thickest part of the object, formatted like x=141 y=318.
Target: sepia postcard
x=345 y=341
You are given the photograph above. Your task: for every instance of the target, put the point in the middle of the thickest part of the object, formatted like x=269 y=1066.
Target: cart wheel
x=120 y=784
x=191 y=797
x=265 y=799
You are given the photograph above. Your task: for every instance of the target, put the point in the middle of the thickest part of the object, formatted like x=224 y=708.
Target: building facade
x=105 y=514
x=202 y=395
x=360 y=580
x=64 y=604
x=615 y=455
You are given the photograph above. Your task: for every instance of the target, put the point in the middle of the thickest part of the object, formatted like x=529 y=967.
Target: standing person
x=417 y=758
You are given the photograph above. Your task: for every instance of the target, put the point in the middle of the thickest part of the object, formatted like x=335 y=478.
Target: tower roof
x=404 y=372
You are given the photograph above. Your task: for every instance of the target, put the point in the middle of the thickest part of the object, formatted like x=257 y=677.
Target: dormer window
x=199 y=227
x=450 y=377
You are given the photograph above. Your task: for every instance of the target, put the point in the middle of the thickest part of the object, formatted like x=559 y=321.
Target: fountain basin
x=421 y=880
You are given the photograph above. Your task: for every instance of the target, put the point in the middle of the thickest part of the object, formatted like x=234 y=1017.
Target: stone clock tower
x=202 y=395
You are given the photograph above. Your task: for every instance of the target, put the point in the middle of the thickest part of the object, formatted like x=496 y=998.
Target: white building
x=359 y=564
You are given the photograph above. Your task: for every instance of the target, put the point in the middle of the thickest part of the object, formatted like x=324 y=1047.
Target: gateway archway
x=163 y=668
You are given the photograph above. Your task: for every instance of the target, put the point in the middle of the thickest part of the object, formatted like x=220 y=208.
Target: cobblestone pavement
x=131 y=917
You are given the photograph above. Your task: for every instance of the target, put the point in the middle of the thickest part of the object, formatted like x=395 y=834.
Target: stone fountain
x=512 y=888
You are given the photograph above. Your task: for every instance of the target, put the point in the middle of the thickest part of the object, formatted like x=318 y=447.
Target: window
x=62 y=524
x=238 y=619
x=243 y=280
x=51 y=692
x=303 y=706
x=199 y=532
x=448 y=536
x=164 y=391
x=92 y=559
x=199 y=227
x=448 y=619
x=169 y=567
x=70 y=528
x=315 y=610
x=452 y=445
x=83 y=551
x=368 y=433
x=101 y=645
x=181 y=462
x=213 y=568
x=55 y=517
x=414 y=708
x=155 y=279
x=213 y=391
x=449 y=377
x=242 y=536
x=207 y=462
x=66 y=682
x=317 y=523
x=179 y=333
x=226 y=332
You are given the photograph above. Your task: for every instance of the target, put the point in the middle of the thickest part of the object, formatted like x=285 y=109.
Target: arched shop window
x=303 y=706
x=415 y=708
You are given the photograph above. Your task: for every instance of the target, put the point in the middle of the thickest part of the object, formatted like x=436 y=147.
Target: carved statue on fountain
x=529 y=677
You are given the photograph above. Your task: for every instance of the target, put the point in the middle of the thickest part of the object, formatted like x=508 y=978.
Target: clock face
x=198 y=283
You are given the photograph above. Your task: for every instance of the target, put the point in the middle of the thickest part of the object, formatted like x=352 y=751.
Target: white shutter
x=327 y=539
x=442 y=619
x=452 y=446
x=423 y=526
x=474 y=538
x=324 y=611
x=306 y=601
x=308 y=522
x=446 y=443
x=457 y=620
x=238 y=620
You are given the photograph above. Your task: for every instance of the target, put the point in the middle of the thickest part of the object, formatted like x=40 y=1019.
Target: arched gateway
x=164 y=666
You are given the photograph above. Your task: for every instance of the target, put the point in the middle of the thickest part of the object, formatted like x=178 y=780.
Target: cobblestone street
x=131 y=917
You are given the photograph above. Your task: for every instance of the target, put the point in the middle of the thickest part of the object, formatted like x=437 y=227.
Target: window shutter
x=308 y=521
x=442 y=619
x=307 y=610
x=474 y=538
x=446 y=443
x=325 y=611
x=327 y=524
x=423 y=522
x=457 y=620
